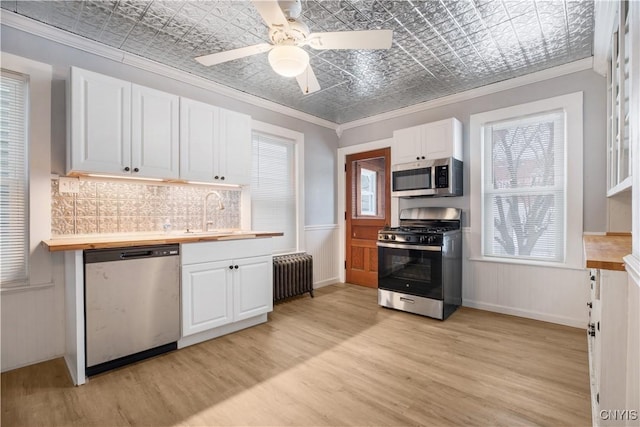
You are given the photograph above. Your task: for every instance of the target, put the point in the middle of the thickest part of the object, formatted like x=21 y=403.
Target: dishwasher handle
x=136 y=254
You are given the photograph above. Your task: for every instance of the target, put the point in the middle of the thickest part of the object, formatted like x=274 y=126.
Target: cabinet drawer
x=194 y=253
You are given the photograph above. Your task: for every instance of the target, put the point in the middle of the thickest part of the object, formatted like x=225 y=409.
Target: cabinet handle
x=231 y=267
x=222 y=178
x=216 y=177
x=422 y=157
x=235 y=266
x=126 y=169
x=590 y=305
x=136 y=170
x=417 y=157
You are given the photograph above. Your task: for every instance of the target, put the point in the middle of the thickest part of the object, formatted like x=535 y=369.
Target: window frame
x=559 y=170
x=298 y=140
x=571 y=104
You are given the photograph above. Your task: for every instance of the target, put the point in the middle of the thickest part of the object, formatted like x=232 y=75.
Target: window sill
x=529 y=263
x=622 y=187
x=25 y=288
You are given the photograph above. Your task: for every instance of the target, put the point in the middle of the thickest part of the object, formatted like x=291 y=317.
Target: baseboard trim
x=528 y=314
x=325 y=282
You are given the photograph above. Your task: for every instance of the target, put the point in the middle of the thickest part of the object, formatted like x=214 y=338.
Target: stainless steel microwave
x=436 y=178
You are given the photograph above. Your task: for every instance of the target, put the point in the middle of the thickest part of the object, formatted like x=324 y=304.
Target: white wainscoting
x=322 y=243
x=556 y=295
x=32 y=325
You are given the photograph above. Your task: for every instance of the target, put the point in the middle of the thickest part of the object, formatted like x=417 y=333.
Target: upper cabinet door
x=198 y=139
x=234 y=155
x=100 y=124
x=443 y=139
x=407 y=145
x=155 y=133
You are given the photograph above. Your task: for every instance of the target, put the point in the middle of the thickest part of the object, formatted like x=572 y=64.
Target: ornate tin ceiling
x=439 y=47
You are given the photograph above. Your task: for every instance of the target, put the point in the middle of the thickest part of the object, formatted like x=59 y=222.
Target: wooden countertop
x=606 y=252
x=97 y=241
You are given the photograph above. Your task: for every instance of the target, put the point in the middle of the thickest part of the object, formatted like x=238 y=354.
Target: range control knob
x=393 y=237
x=408 y=239
x=386 y=237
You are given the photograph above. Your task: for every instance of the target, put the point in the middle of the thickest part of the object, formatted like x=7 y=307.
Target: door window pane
x=368 y=188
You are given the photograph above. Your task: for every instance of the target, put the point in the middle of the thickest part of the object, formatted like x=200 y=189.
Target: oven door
x=410 y=269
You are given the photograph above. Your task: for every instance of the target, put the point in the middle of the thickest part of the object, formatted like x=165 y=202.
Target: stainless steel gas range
x=420 y=262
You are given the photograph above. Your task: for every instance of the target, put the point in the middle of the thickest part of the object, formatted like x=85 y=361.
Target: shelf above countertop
x=106 y=241
x=607 y=251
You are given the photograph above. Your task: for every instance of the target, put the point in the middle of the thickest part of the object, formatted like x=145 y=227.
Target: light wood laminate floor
x=337 y=359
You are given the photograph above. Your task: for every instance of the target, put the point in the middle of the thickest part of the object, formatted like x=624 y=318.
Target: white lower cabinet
x=226 y=286
x=207 y=296
x=607 y=334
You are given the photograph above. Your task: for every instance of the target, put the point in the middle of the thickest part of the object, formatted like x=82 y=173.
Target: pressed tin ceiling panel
x=439 y=47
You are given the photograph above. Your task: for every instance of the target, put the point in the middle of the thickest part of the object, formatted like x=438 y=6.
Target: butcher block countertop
x=606 y=252
x=106 y=241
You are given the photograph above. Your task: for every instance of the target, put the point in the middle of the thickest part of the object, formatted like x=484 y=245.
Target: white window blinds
x=524 y=187
x=13 y=180
x=273 y=195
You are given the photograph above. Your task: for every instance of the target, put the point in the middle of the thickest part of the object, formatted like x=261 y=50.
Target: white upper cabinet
x=118 y=128
x=155 y=133
x=234 y=158
x=435 y=140
x=100 y=124
x=215 y=144
x=199 y=124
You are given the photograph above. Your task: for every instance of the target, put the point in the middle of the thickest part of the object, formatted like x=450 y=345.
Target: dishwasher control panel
x=134 y=252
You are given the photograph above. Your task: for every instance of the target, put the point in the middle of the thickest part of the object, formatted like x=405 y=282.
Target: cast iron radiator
x=292 y=275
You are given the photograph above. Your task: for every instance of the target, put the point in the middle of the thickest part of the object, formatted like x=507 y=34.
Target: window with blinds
x=524 y=187
x=13 y=180
x=273 y=194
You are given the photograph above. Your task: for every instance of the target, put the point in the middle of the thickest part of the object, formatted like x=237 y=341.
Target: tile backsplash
x=121 y=207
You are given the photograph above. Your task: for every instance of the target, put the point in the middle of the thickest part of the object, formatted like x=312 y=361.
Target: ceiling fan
x=287 y=35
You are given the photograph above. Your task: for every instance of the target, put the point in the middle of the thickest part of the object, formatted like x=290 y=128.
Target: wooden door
x=368 y=210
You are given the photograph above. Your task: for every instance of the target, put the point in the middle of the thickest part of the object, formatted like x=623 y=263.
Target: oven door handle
x=414 y=247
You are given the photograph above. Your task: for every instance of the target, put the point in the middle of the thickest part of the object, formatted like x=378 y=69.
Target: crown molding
x=39 y=29
x=549 y=73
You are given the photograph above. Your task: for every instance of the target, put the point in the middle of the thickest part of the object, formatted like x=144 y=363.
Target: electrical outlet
x=68 y=185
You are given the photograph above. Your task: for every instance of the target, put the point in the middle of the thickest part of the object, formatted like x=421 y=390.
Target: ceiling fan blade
x=230 y=55
x=271 y=13
x=308 y=81
x=366 y=39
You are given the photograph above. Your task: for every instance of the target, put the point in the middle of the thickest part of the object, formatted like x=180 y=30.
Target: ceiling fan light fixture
x=288 y=61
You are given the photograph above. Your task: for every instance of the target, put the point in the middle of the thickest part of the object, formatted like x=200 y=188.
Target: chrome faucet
x=205 y=223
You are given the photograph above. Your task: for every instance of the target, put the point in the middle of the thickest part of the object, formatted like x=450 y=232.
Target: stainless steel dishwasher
x=132 y=304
